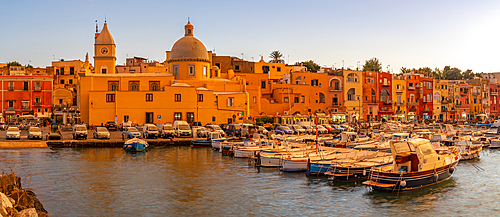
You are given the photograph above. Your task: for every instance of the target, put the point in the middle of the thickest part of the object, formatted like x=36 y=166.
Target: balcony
x=336 y=104
x=386 y=84
x=414 y=103
x=25 y=108
x=334 y=89
x=387 y=102
x=11 y=108
x=411 y=88
x=37 y=89
x=37 y=104
x=399 y=103
x=494 y=93
x=399 y=90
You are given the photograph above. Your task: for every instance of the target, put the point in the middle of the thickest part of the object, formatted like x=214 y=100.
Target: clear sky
x=412 y=34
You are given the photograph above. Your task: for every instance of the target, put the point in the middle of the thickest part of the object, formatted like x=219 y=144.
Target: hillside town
x=194 y=84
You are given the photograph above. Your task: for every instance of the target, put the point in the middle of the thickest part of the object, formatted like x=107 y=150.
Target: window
x=190 y=117
x=200 y=97
x=71 y=70
x=265 y=69
x=177 y=116
x=237 y=67
x=230 y=102
x=133 y=87
x=26 y=85
x=154 y=87
x=475 y=99
x=11 y=103
x=335 y=101
x=60 y=101
x=62 y=71
x=321 y=98
x=254 y=99
x=38 y=100
x=62 y=81
x=429 y=97
x=298 y=80
x=314 y=82
x=125 y=118
x=352 y=77
x=149 y=97
x=191 y=70
x=205 y=71
x=263 y=84
x=337 y=85
x=302 y=99
x=296 y=99
x=278 y=69
x=218 y=65
x=38 y=86
x=46 y=110
x=350 y=94
x=177 y=97
x=70 y=81
x=110 y=97
x=104 y=71
x=175 y=71
x=382 y=98
x=11 y=85
x=285 y=100
x=113 y=87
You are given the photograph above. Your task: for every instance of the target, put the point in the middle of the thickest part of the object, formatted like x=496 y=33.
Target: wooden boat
x=135 y=145
x=201 y=143
x=416 y=164
x=320 y=167
x=357 y=170
x=495 y=143
x=466 y=148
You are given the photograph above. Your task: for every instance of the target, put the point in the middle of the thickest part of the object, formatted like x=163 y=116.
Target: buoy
x=402 y=183
x=452 y=170
x=436 y=177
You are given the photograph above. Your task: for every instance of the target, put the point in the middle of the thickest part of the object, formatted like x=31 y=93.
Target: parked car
x=320 y=129
x=167 y=131
x=199 y=131
x=150 y=131
x=308 y=129
x=13 y=133
x=215 y=128
x=182 y=129
x=283 y=130
x=262 y=130
x=233 y=130
x=80 y=131
x=111 y=126
x=297 y=129
x=55 y=132
x=130 y=132
x=101 y=133
x=337 y=129
x=34 y=133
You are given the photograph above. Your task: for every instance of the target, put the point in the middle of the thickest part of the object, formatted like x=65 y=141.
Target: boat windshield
x=183 y=127
x=427 y=149
x=132 y=129
x=152 y=128
x=401 y=147
x=34 y=129
x=12 y=129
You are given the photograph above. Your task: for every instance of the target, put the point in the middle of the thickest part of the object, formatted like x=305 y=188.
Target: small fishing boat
x=466 y=148
x=357 y=170
x=416 y=164
x=135 y=145
x=495 y=143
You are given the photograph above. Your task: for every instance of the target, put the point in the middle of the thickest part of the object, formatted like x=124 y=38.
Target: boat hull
x=395 y=182
x=201 y=143
x=294 y=166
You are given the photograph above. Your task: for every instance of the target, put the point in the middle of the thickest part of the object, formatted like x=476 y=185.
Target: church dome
x=188 y=46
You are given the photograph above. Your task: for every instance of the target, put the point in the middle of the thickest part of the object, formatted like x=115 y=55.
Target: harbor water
x=173 y=181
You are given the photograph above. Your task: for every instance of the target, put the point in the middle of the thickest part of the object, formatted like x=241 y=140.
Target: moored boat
x=416 y=164
x=135 y=145
x=466 y=149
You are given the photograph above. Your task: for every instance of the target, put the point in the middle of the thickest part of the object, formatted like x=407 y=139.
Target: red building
x=22 y=94
x=426 y=94
x=464 y=101
x=495 y=104
x=370 y=96
x=412 y=95
x=385 y=104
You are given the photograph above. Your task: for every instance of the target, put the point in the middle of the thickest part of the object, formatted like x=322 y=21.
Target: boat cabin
x=400 y=136
x=415 y=155
x=438 y=138
x=348 y=137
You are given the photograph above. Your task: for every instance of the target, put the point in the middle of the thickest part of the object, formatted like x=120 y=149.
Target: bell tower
x=104 y=52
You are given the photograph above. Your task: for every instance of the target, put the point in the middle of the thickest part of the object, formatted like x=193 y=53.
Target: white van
x=150 y=131
x=182 y=129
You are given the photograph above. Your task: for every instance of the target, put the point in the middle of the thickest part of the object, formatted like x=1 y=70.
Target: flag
x=239 y=114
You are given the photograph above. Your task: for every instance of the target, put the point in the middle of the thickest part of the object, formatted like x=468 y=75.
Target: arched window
x=352 y=77
x=385 y=92
x=437 y=97
x=298 y=80
x=104 y=70
x=429 y=97
x=321 y=98
x=134 y=87
x=113 y=87
x=154 y=87
x=351 y=94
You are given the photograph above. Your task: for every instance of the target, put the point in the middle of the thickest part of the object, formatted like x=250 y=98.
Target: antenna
x=188 y=19
x=104 y=18
x=96 y=29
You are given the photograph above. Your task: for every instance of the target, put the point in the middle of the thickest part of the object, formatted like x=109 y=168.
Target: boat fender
x=436 y=177
x=364 y=172
x=452 y=170
x=402 y=183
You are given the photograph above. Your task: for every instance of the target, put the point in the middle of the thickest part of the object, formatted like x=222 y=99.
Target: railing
x=414 y=103
x=385 y=84
x=387 y=102
x=334 y=89
x=411 y=88
x=399 y=103
x=336 y=104
x=11 y=108
x=37 y=103
x=37 y=89
x=399 y=90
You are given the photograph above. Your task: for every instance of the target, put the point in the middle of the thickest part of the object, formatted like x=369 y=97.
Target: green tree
x=276 y=57
x=404 y=70
x=452 y=73
x=468 y=74
x=28 y=66
x=310 y=65
x=373 y=65
x=14 y=63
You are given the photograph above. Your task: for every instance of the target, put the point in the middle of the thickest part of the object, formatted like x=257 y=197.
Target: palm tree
x=276 y=57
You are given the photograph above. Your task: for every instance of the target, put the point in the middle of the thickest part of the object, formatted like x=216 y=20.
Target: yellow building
x=454 y=103
x=353 y=90
x=141 y=65
x=436 y=104
x=399 y=97
x=188 y=93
